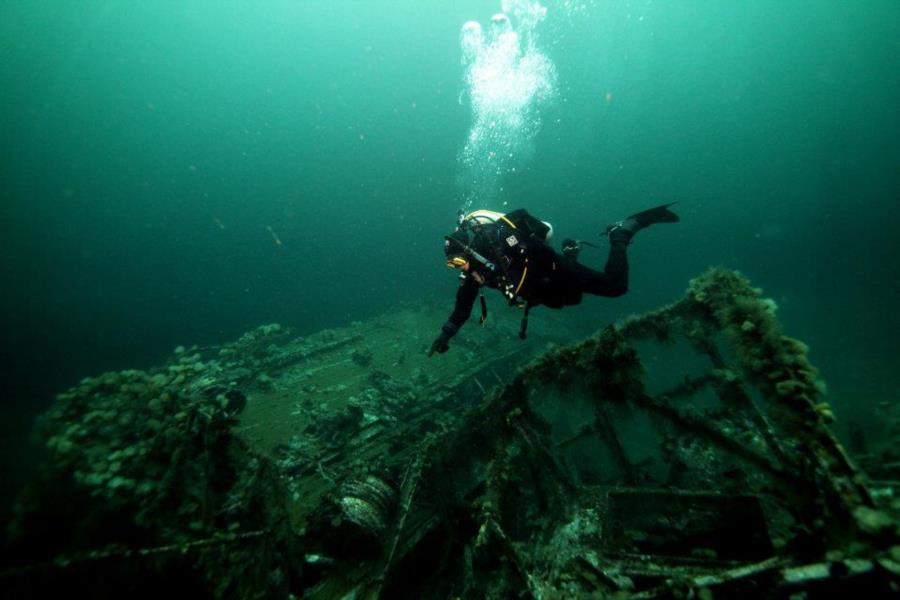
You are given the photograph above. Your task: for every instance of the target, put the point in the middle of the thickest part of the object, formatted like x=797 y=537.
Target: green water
x=179 y=172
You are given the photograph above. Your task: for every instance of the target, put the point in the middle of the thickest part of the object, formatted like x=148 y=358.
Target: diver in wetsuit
x=510 y=252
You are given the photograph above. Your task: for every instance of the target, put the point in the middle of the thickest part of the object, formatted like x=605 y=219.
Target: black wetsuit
x=552 y=280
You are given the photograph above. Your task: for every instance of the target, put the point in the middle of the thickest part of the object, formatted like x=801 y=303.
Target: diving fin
x=659 y=214
x=624 y=230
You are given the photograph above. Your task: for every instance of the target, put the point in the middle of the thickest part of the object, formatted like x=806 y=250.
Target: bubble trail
x=507 y=77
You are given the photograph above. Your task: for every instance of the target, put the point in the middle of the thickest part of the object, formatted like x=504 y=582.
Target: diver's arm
x=465 y=300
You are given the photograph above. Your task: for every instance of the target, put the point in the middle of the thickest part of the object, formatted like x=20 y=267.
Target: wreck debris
x=369 y=503
x=754 y=492
x=686 y=452
x=144 y=476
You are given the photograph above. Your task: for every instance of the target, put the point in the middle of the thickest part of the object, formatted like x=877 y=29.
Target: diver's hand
x=440 y=345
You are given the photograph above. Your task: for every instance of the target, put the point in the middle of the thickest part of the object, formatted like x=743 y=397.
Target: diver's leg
x=612 y=281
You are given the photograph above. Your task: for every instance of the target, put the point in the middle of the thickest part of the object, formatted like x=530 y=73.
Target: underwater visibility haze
x=179 y=173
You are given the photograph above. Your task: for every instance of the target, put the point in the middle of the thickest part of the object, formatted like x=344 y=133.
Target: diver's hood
x=458 y=242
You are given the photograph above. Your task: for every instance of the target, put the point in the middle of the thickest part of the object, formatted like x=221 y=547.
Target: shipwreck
x=683 y=453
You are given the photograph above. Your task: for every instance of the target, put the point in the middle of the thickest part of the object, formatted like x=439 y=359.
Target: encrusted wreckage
x=682 y=453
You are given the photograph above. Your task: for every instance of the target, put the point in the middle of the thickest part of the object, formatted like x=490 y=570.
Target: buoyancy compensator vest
x=503 y=248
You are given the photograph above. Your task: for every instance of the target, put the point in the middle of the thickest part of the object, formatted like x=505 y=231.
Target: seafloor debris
x=683 y=453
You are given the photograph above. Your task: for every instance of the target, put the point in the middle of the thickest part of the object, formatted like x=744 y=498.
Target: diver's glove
x=442 y=343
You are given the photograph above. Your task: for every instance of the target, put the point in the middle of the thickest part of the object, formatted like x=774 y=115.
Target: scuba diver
x=510 y=252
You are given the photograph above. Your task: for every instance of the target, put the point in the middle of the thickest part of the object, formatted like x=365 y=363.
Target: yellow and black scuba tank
x=518 y=220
